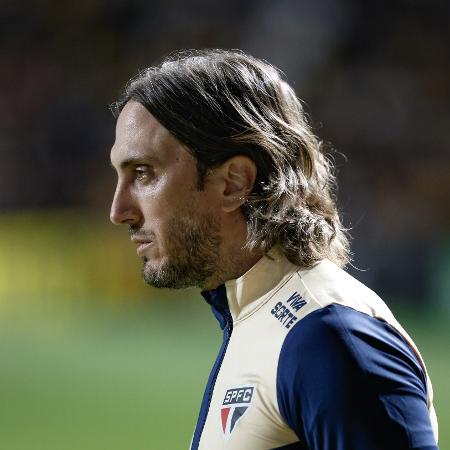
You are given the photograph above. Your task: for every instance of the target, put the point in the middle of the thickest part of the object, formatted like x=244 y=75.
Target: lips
x=142 y=245
x=142 y=248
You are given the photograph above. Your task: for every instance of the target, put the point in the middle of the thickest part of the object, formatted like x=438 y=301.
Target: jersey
x=312 y=359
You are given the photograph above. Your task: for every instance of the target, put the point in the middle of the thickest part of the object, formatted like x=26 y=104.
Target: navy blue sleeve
x=347 y=381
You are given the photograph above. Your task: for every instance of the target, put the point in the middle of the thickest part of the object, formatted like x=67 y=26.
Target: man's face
x=175 y=226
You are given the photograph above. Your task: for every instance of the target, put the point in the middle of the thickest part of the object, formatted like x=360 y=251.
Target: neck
x=235 y=257
x=237 y=263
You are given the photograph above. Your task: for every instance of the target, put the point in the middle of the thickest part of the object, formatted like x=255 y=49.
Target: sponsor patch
x=286 y=314
x=235 y=404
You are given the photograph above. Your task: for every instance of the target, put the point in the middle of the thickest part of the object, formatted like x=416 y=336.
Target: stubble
x=193 y=254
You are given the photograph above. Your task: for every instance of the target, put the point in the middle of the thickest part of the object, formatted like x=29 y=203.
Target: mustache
x=140 y=234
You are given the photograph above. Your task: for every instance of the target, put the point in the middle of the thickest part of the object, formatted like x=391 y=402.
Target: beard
x=193 y=254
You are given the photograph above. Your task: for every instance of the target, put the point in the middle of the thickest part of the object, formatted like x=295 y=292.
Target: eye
x=142 y=173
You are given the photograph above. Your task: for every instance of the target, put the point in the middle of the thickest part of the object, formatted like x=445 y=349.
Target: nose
x=124 y=209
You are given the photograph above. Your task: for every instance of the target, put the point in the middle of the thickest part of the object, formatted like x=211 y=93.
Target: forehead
x=139 y=136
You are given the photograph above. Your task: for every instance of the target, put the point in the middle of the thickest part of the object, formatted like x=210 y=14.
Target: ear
x=238 y=175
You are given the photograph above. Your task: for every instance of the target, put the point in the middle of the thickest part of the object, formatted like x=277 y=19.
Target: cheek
x=174 y=198
x=159 y=208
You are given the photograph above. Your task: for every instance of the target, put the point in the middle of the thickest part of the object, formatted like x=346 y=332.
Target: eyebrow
x=129 y=162
x=132 y=161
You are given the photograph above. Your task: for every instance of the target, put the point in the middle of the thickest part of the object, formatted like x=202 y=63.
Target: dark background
x=374 y=76
x=92 y=358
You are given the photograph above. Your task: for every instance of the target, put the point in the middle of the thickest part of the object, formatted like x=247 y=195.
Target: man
x=224 y=186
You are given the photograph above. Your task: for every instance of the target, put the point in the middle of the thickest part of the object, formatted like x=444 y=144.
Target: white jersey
x=312 y=359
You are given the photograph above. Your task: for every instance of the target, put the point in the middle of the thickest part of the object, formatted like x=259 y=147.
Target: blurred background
x=92 y=358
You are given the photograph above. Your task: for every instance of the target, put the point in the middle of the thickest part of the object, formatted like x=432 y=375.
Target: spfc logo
x=235 y=404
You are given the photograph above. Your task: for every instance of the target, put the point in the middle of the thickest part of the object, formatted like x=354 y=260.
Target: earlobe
x=239 y=175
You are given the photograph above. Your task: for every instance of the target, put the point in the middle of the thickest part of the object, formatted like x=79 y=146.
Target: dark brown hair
x=224 y=103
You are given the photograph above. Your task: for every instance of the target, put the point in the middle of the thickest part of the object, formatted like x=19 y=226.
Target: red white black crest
x=235 y=404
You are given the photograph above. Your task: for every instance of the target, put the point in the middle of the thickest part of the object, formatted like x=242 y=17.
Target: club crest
x=235 y=404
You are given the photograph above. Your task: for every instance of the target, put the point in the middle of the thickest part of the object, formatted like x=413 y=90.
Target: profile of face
x=186 y=236
x=175 y=226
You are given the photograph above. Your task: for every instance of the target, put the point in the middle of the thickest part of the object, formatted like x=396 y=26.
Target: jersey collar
x=246 y=293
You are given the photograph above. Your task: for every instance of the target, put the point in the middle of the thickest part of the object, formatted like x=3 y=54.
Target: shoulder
x=326 y=283
x=338 y=363
x=339 y=335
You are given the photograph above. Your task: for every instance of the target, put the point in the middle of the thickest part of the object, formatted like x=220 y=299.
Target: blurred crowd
x=375 y=78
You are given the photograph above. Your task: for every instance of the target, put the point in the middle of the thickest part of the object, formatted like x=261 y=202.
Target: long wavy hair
x=224 y=103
